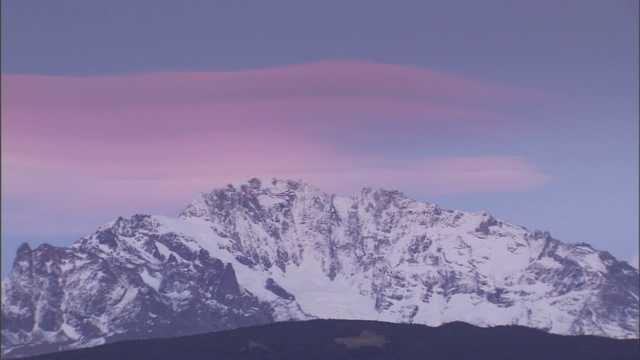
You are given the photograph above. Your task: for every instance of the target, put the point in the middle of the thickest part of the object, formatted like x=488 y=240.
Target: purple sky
x=525 y=109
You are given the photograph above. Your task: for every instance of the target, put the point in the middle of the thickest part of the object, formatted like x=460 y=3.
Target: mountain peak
x=269 y=250
x=23 y=257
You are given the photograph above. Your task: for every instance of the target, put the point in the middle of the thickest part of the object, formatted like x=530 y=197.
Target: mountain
x=276 y=250
x=356 y=339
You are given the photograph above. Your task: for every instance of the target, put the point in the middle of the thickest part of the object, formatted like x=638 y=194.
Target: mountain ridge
x=279 y=250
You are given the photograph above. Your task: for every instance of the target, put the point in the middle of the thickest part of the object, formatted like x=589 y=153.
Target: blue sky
x=525 y=109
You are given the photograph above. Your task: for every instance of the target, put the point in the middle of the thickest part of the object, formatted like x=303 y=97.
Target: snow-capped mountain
x=277 y=250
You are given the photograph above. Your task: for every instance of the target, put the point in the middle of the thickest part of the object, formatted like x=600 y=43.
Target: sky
x=526 y=109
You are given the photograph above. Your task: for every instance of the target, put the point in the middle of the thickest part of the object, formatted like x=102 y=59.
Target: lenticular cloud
x=333 y=123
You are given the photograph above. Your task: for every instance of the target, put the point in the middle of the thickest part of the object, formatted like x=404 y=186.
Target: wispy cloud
x=305 y=99
x=133 y=139
x=330 y=79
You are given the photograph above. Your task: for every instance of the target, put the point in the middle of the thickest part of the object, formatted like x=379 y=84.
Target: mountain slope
x=276 y=250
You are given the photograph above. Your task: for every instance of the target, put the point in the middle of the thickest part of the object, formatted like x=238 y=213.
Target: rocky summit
x=277 y=250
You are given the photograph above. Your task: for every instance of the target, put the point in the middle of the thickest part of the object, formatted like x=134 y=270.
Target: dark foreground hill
x=354 y=339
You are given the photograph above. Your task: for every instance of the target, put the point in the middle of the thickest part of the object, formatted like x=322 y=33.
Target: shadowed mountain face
x=271 y=251
x=353 y=339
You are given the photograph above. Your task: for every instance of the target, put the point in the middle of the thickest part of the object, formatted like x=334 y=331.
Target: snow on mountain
x=263 y=251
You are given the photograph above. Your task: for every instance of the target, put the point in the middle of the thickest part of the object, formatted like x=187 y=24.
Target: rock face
x=268 y=251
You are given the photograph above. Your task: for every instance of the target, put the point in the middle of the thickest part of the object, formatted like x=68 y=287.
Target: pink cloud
x=118 y=145
x=337 y=78
x=303 y=116
x=63 y=193
x=308 y=99
x=246 y=154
